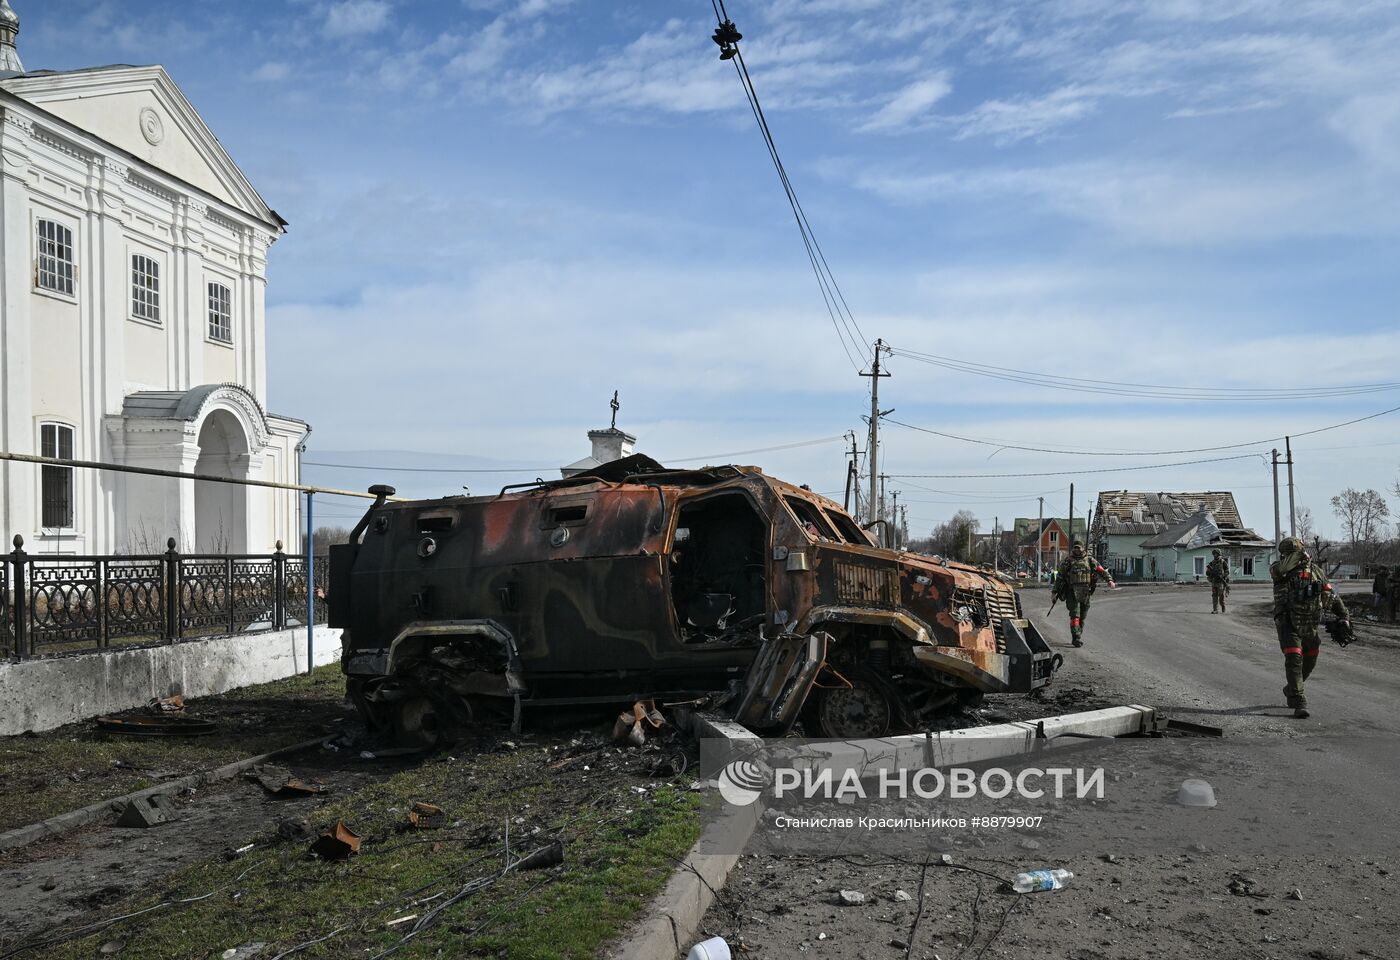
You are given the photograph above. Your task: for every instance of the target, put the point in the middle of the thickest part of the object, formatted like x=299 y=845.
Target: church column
x=17 y=491
x=189 y=304
x=106 y=317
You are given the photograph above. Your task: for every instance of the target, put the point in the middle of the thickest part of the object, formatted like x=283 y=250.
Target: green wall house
x=1181 y=552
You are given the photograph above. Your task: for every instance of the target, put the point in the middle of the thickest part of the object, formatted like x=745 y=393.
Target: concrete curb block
x=64 y=822
x=671 y=922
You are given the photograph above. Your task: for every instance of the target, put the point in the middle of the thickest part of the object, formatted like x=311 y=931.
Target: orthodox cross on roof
x=615 y=407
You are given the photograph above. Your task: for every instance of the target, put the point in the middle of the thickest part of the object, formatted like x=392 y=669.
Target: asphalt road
x=1298 y=858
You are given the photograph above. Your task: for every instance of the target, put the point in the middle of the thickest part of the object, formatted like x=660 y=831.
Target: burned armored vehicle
x=634 y=581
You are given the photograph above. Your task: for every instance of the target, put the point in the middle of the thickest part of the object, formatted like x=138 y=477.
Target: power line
x=1064 y=473
x=842 y=320
x=384 y=468
x=1143 y=390
x=1009 y=445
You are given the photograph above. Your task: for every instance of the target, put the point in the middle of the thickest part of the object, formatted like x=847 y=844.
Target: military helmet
x=1078 y=543
x=1215 y=552
x=1289 y=546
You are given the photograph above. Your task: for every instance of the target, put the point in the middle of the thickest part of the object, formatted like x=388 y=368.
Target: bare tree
x=951 y=538
x=1306 y=527
x=1363 y=514
x=323 y=537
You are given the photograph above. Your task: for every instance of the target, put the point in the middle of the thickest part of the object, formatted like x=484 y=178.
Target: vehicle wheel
x=427 y=722
x=859 y=711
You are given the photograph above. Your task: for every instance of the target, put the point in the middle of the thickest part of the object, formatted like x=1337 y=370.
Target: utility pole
x=874 y=446
x=1070 y=531
x=852 y=469
x=885 y=528
x=894 y=519
x=1278 y=528
x=1292 y=510
x=996 y=544
x=1040 y=540
x=904 y=523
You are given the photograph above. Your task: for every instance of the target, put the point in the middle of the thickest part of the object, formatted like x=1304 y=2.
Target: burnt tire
x=429 y=722
x=864 y=709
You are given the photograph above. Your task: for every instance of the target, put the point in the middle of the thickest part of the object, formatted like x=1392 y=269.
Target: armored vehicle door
x=719 y=569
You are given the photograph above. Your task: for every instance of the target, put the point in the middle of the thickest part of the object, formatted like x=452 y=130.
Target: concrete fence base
x=44 y=693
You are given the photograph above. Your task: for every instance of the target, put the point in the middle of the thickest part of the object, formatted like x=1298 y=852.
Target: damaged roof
x=1202 y=530
x=1132 y=513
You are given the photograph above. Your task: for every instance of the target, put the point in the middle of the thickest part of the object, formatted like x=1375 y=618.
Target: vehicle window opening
x=570 y=514
x=847 y=527
x=814 y=523
x=436 y=522
x=718 y=573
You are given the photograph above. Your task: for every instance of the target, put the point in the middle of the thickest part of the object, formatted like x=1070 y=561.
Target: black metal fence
x=63 y=604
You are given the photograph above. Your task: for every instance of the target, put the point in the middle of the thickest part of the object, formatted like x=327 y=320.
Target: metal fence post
x=228 y=592
x=172 y=592
x=279 y=589
x=310 y=588
x=21 y=604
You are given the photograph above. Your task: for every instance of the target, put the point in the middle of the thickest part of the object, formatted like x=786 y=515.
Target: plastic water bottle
x=1038 y=880
x=714 y=948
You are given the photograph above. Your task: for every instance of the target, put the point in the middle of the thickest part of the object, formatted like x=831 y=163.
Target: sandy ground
x=1298 y=858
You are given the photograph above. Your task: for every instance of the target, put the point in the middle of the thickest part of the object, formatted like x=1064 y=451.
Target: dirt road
x=1296 y=860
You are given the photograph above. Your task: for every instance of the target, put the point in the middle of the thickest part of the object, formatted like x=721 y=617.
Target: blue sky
x=502 y=210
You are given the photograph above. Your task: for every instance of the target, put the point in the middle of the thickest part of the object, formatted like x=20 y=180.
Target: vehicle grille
x=873 y=585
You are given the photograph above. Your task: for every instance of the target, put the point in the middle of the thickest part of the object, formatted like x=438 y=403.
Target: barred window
x=55 y=267
x=145 y=288
x=220 y=313
x=56 y=440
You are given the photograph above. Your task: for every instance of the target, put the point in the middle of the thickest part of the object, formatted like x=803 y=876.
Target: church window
x=145 y=288
x=56 y=440
x=55 y=267
x=220 y=313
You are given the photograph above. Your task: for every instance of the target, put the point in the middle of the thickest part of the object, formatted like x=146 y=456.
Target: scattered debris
x=850 y=898
x=292 y=828
x=629 y=726
x=249 y=951
x=902 y=896
x=337 y=843
x=279 y=781
x=398 y=920
x=164 y=725
x=147 y=812
x=111 y=948
x=1195 y=793
x=49 y=884
x=547 y=856
x=159 y=705
x=1295 y=894
x=1242 y=886
x=426 y=816
x=1036 y=881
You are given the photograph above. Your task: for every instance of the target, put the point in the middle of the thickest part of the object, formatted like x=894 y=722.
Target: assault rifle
x=1340 y=631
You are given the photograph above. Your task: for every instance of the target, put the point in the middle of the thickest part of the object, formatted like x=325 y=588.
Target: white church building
x=133 y=261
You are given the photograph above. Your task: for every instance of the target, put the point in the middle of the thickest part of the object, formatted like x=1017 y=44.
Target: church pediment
x=141 y=111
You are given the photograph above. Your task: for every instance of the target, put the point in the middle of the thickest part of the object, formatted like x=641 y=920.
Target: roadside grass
x=45 y=774
x=622 y=833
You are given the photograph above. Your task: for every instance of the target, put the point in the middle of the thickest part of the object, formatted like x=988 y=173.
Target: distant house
x=1161 y=536
x=1052 y=539
x=1182 y=551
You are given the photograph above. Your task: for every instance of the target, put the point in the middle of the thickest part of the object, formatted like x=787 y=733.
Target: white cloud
x=1009 y=120
x=910 y=103
x=272 y=71
x=1371 y=124
x=352 y=17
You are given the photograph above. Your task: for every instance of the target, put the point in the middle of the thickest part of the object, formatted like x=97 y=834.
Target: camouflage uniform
x=1218 y=573
x=1075 y=583
x=1301 y=596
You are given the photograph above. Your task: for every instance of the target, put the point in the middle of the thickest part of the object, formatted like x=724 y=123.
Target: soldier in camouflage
x=1218 y=573
x=1075 y=583
x=1301 y=596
